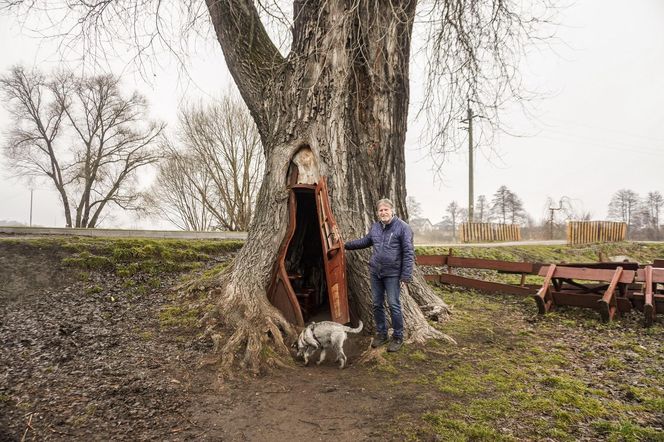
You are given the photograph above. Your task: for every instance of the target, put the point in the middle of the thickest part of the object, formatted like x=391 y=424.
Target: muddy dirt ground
x=81 y=360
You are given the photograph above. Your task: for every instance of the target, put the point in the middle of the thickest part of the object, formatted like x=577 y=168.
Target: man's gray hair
x=384 y=202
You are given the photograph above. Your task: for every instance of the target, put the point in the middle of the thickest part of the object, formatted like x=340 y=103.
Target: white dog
x=324 y=335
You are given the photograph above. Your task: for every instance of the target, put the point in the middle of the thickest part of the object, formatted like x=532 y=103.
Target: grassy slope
x=516 y=376
x=141 y=264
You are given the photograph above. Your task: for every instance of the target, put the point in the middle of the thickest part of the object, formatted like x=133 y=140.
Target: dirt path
x=315 y=403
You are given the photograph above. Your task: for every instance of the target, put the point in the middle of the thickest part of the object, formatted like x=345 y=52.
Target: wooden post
x=608 y=305
x=543 y=297
x=648 y=307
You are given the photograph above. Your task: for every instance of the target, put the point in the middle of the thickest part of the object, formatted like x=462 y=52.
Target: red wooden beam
x=431 y=260
x=608 y=306
x=588 y=300
x=543 y=297
x=490 y=264
x=586 y=274
x=477 y=284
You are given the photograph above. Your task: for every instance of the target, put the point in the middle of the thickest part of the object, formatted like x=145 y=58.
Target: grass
x=517 y=376
x=522 y=377
x=184 y=314
x=128 y=257
x=178 y=316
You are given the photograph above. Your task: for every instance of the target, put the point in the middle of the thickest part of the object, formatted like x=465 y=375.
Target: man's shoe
x=379 y=340
x=395 y=344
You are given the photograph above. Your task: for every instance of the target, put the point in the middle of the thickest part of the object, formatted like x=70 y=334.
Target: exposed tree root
x=371 y=355
x=418 y=328
x=257 y=335
x=248 y=334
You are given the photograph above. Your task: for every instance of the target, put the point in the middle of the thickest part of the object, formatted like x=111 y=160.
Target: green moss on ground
x=517 y=376
x=128 y=257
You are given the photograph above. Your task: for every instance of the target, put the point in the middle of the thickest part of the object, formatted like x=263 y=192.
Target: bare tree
x=652 y=207
x=454 y=213
x=624 y=207
x=557 y=213
x=414 y=207
x=180 y=192
x=481 y=210
x=507 y=206
x=83 y=136
x=342 y=92
x=223 y=138
x=219 y=164
x=473 y=50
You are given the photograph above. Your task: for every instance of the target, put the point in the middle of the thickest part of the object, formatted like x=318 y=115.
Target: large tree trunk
x=343 y=92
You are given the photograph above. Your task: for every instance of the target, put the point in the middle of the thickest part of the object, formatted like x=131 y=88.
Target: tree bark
x=342 y=91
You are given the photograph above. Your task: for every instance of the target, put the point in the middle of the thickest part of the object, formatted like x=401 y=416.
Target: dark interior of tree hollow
x=304 y=260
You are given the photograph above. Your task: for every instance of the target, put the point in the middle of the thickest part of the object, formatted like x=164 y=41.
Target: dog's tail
x=355 y=330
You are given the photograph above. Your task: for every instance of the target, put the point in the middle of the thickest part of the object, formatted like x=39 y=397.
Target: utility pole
x=551 y=210
x=471 y=191
x=31 y=191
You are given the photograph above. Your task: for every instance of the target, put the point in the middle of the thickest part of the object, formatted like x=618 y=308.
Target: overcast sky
x=599 y=129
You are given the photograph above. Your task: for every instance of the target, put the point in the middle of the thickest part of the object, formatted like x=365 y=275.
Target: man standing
x=390 y=268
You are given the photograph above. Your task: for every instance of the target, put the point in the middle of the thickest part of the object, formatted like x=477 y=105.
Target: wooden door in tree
x=334 y=256
x=281 y=293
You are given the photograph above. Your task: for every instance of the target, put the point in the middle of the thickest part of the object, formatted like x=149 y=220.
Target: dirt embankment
x=25 y=269
x=83 y=355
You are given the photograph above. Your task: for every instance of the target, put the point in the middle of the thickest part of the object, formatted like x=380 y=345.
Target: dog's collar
x=313 y=333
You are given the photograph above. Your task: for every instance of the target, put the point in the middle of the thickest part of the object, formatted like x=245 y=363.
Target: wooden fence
x=585 y=232
x=486 y=232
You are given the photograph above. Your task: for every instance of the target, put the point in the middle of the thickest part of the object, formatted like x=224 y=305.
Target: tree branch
x=251 y=56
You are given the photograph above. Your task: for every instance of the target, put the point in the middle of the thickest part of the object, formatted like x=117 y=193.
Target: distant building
x=421 y=225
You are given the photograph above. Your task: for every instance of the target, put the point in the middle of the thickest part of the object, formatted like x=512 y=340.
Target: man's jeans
x=392 y=287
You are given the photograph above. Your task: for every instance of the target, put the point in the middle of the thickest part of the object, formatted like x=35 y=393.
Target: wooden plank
x=607 y=305
x=431 y=260
x=583 y=273
x=657 y=275
x=490 y=264
x=493 y=287
x=657 y=301
x=587 y=300
x=648 y=309
x=334 y=258
x=280 y=293
x=658 y=263
x=543 y=298
x=604 y=265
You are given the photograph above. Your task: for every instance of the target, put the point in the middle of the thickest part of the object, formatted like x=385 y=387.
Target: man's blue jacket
x=393 y=251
